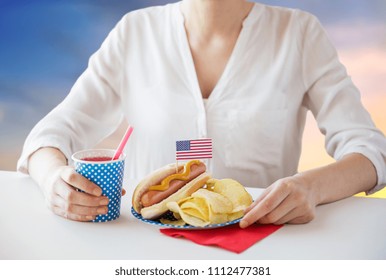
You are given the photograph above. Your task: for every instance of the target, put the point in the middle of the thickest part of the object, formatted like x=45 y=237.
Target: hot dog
x=165 y=185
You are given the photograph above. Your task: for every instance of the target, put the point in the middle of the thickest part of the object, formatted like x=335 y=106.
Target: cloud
x=365 y=66
x=1 y=114
x=357 y=33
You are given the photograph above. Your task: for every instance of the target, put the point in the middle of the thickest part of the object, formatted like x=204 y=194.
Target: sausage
x=152 y=197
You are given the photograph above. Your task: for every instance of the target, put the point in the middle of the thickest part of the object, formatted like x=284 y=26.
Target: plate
x=158 y=223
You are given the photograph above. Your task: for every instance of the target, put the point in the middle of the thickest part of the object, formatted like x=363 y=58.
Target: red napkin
x=231 y=238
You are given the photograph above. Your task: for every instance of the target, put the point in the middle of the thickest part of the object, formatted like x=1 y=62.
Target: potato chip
x=216 y=202
x=196 y=207
x=220 y=202
x=210 y=183
x=176 y=216
x=189 y=219
x=218 y=218
x=179 y=222
x=234 y=191
x=235 y=215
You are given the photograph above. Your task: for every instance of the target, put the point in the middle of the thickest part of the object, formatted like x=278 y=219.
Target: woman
x=243 y=74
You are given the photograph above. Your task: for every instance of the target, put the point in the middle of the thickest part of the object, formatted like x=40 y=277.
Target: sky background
x=45 y=46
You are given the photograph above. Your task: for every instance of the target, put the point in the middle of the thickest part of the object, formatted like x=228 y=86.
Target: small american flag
x=194 y=149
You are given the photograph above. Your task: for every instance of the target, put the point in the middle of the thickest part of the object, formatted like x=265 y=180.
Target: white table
x=354 y=228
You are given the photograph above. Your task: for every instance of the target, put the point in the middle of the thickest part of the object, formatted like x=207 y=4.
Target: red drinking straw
x=122 y=145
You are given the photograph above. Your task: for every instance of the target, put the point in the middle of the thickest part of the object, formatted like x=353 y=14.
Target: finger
x=68 y=193
x=123 y=192
x=265 y=206
x=297 y=216
x=302 y=212
x=257 y=201
x=78 y=209
x=60 y=212
x=282 y=210
x=70 y=176
x=302 y=219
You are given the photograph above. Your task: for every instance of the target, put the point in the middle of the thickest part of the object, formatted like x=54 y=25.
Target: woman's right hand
x=63 y=198
x=60 y=184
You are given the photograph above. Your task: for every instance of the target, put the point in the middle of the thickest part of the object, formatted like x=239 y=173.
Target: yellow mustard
x=178 y=176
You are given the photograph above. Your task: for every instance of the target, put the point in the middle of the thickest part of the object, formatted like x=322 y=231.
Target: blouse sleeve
x=92 y=109
x=335 y=103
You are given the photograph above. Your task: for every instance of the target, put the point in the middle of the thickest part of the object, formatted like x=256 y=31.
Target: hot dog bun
x=177 y=189
x=156 y=210
x=150 y=180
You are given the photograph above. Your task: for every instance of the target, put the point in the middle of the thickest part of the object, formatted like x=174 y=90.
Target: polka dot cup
x=96 y=166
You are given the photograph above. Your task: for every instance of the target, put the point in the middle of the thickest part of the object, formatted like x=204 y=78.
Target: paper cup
x=97 y=166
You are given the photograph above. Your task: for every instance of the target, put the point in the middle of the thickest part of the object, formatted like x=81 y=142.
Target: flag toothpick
x=193 y=149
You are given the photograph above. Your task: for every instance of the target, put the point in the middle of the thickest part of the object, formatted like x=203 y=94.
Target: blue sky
x=45 y=45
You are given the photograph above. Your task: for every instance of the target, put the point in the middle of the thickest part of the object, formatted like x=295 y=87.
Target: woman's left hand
x=288 y=200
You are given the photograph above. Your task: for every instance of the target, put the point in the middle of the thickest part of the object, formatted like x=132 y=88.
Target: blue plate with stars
x=188 y=227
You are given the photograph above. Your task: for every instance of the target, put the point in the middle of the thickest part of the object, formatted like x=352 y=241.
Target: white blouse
x=282 y=65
